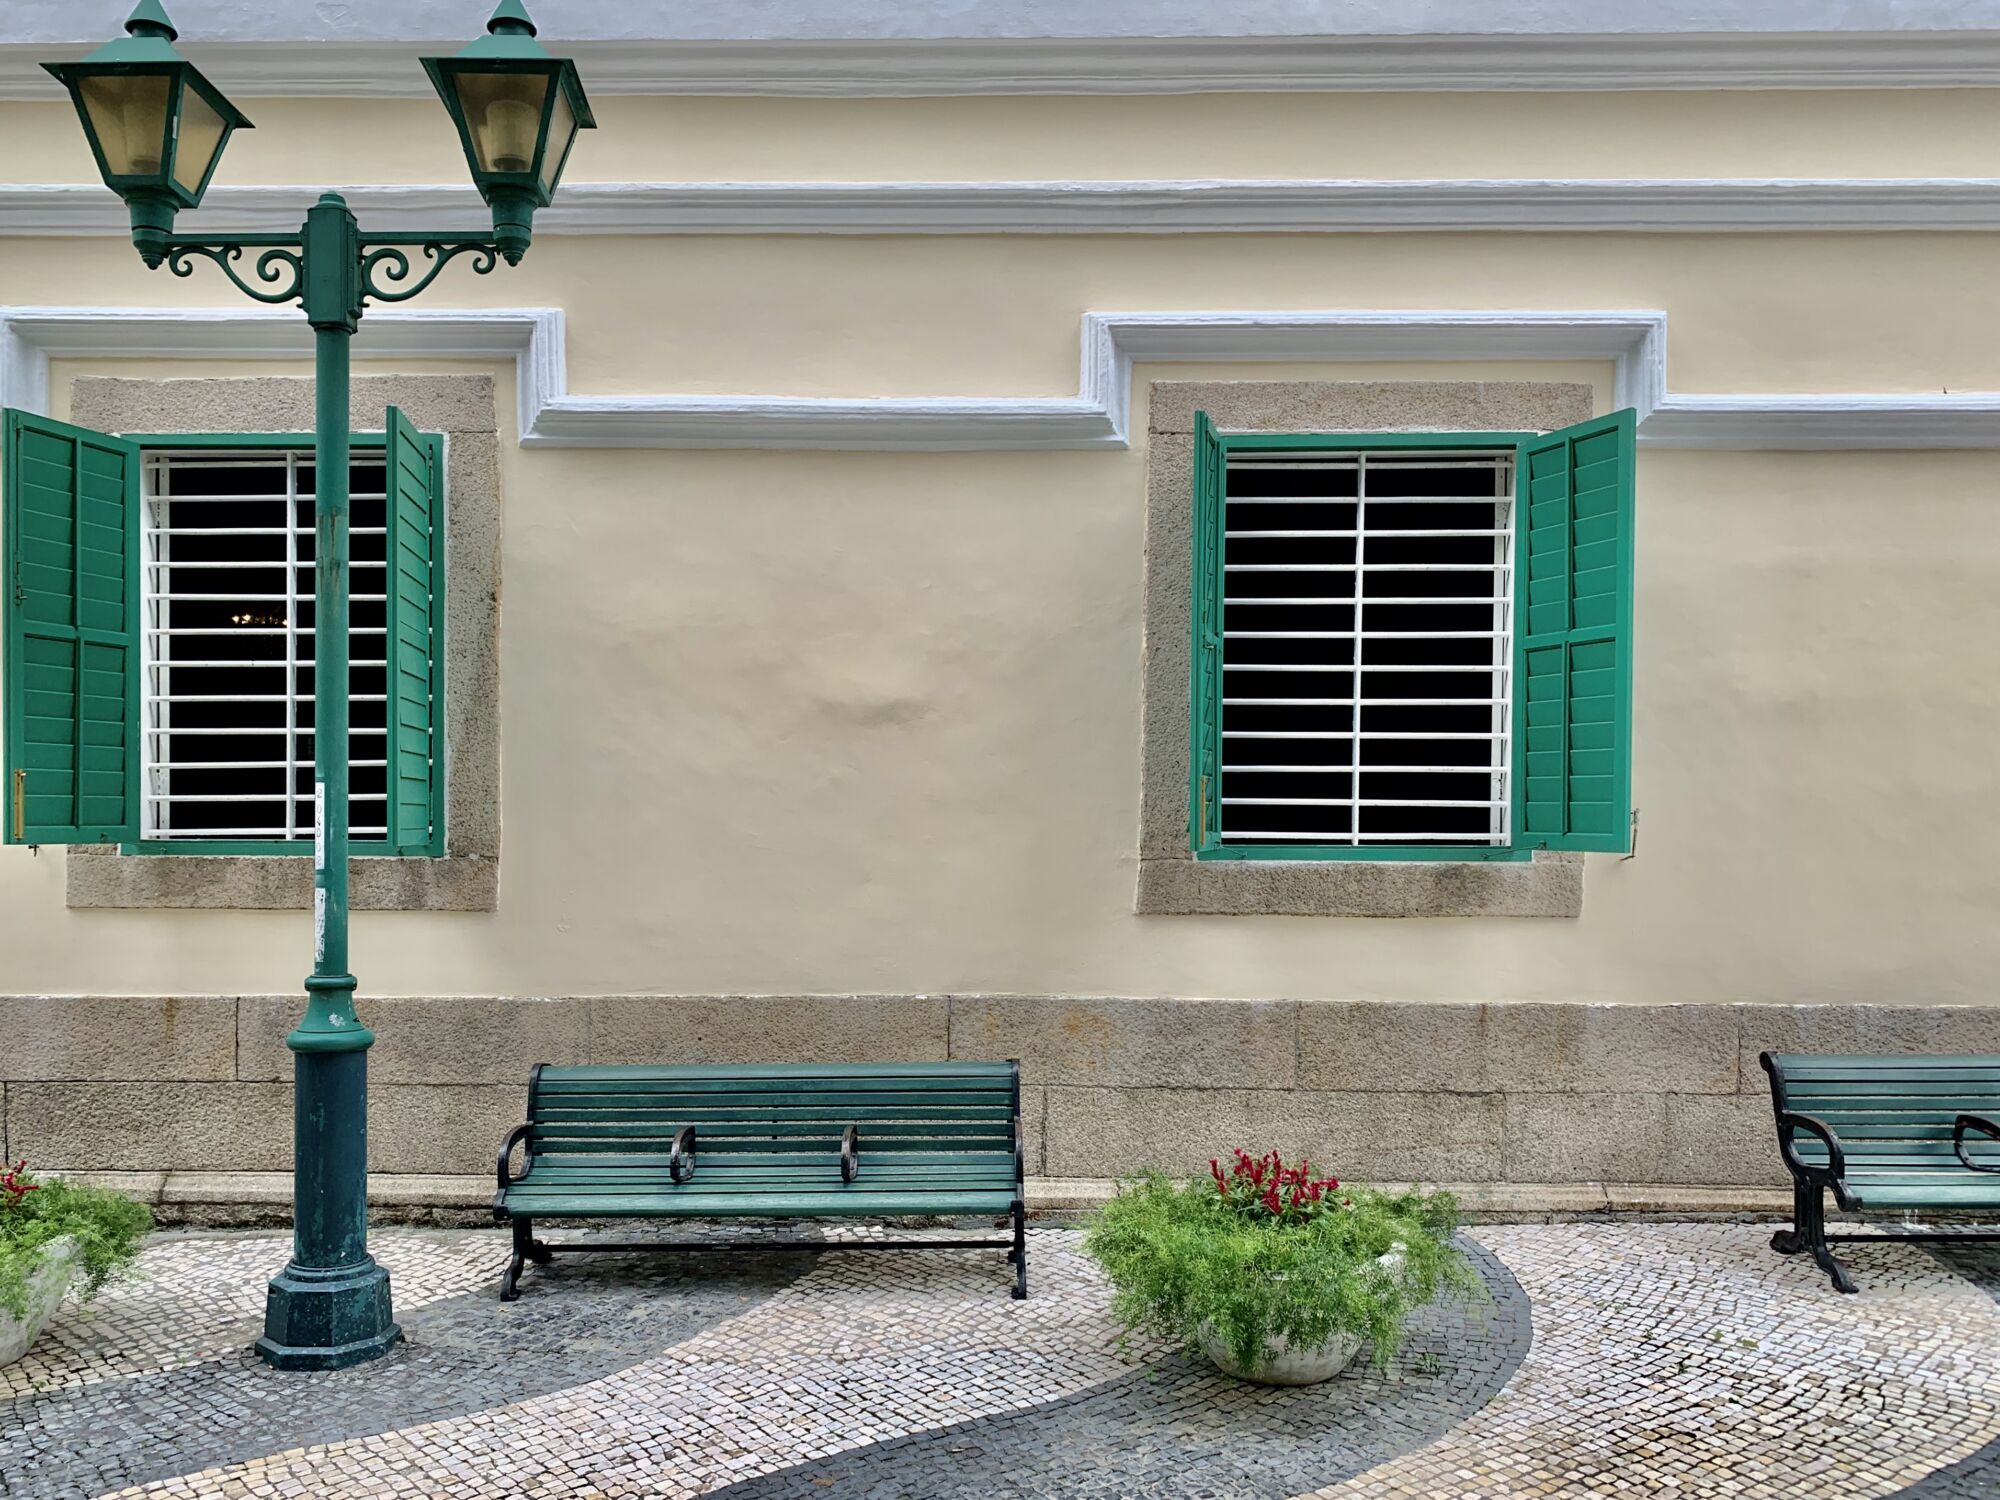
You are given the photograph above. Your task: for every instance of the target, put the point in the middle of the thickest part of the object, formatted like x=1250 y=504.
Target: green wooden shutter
x=1205 y=707
x=1573 y=623
x=415 y=791
x=72 y=625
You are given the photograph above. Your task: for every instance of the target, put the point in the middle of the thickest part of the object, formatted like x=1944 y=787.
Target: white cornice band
x=891 y=66
x=1204 y=206
x=1098 y=416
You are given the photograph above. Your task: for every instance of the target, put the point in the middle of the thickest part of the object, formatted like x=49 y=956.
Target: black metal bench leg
x=1792 y=1241
x=1019 y=1254
x=526 y=1248
x=1813 y=1228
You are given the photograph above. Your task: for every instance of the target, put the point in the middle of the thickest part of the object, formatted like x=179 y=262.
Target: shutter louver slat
x=1575 y=649
x=71 y=498
x=414 y=737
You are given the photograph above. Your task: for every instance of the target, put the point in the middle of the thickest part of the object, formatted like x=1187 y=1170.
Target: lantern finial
x=511 y=17
x=149 y=18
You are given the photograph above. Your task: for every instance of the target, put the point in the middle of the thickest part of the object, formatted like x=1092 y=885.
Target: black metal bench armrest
x=850 y=1153
x=680 y=1160
x=1972 y=1122
x=515 y=1136
x=1836 y=1159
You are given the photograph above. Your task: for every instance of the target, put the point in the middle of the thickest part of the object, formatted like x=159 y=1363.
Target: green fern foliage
x=1256 y=1254
x=33 y=1214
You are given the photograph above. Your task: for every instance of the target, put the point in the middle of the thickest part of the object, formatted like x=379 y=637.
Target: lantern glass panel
x=201 y=133
x=562 y=134
x=503 y=116
x=128 y=115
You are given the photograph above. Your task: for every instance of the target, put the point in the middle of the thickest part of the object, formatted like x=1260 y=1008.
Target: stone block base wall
x=1467 y=1094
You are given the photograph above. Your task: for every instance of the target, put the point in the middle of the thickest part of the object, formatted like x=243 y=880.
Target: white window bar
x=1503 y=655
x=1373 y=651
x=172 y=516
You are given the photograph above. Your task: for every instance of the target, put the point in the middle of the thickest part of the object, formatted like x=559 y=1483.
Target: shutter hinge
x=1634 y=852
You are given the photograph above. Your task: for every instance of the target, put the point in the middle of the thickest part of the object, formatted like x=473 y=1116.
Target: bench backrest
x=1885 y=1098
x=913 y=1114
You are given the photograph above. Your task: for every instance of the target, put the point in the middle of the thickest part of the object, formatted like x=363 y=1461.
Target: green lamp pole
x=158 y=128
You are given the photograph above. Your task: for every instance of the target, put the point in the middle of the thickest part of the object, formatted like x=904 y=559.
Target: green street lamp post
x=158 y=129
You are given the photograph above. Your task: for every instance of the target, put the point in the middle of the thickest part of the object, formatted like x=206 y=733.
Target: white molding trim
x=1201 y=206
x=1098 y=416
x=906 y=66
x=1966 y=420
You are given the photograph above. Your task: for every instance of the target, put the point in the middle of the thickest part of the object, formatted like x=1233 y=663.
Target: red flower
x=10 y=1182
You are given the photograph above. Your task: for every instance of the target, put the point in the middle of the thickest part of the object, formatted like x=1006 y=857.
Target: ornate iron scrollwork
x=281 y=268
x=391 y=264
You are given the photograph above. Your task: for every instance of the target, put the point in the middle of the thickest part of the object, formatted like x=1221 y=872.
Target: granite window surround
x=1171 y=881
x=467 y=876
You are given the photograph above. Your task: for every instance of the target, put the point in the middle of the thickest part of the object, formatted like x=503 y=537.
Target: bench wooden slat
x=906 y=1083
x=777 y=1136
x=822 y=1142
x=1927 y=1125
x=774 y=1115
x=1861 y=1097
x=954 y=1072
x=662 y=1098
x=1927 y=1195
x=629 y=1145
x=973 y=1089
x=1807 y=1065
x=605 y=1161
x=705 y=1183
x=739 y=1113
x=675 y=1202
x=709 y=1174
x=851 y=1202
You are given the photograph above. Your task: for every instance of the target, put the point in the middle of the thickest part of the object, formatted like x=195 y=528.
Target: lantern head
x=518 y=111
x=155 y=124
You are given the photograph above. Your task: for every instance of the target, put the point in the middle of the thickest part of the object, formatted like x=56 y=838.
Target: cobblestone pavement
x=1614 y=1360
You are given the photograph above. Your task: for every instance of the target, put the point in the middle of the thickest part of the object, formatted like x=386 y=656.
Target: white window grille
x=227 y=657
x=1367 y=647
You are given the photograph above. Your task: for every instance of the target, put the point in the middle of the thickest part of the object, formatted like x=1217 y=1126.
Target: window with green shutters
x=1411 y=646
x=214 y=740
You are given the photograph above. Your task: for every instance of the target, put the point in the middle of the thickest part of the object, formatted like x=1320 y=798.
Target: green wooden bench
x=766 y=1140
x=1884 y=1134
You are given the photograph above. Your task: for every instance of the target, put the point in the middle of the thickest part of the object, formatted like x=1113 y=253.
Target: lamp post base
x=327 y=1319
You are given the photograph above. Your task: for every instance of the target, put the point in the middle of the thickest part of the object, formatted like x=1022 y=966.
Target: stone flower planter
x=45 y=1292
x=1282 y=1364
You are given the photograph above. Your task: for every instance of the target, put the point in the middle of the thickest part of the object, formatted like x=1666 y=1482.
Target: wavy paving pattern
x=1618 y=1359
x=82 y=1438
x=1689 y=1360
x=1177 y=1431
x=1977 y=1475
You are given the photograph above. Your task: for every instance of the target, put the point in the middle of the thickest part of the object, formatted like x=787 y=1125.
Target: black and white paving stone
x=1615 y=1359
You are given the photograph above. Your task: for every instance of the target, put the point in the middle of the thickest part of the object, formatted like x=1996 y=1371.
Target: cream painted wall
x=825 y=722
x=1890 y=133
x=975 y=315
x=792 y=722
